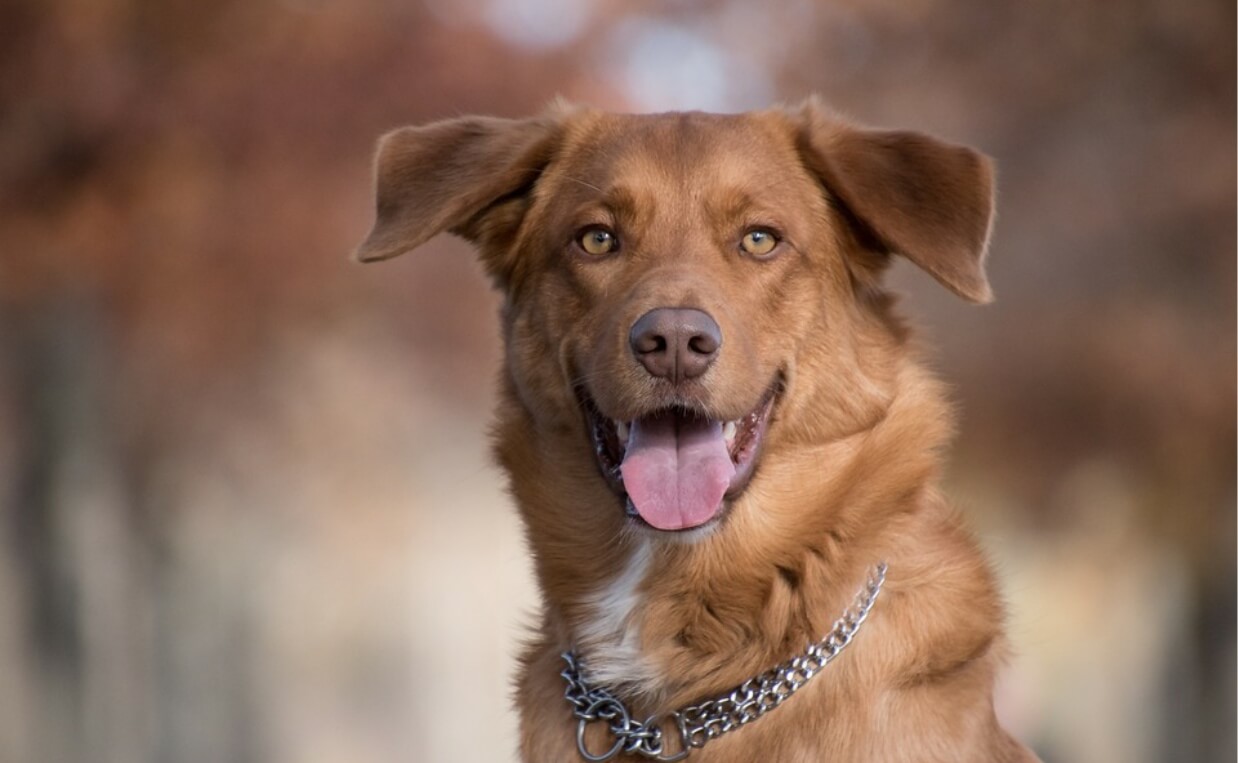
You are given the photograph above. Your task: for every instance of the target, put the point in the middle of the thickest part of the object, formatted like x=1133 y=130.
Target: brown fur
x=850 y=459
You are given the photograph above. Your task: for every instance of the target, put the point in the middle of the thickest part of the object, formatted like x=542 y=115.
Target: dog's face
x=681 y=263
x=671 y=279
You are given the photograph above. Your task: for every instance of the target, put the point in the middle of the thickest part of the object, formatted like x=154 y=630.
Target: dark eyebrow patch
x=622 y=203
x=619 y=203
x=733 y=205
x=597 y=203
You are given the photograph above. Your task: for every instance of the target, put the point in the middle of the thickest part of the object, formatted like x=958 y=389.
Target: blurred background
x=246 y=507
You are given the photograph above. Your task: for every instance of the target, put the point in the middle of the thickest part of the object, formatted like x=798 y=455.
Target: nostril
x=703 y=344
x=650 y=335
x=649 y=343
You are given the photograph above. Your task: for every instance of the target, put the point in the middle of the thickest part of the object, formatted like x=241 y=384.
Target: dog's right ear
x=459 y=175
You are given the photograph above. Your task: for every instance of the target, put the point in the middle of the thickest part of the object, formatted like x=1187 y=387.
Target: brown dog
x=715 y=430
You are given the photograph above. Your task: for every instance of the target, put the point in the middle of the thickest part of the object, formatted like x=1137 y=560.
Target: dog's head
x=687 y=292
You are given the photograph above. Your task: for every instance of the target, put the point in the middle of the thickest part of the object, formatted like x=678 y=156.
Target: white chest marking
x=609 y=638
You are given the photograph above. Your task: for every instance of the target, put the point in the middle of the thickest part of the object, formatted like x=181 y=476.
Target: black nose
x=675 y=343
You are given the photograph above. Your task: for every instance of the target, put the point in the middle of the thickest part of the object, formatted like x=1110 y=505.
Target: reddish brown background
x=245 y=510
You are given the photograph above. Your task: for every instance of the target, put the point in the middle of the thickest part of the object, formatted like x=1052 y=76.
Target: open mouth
x=675 y=468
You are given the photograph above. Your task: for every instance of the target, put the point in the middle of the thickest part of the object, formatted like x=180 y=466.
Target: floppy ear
x=455 y=175
x=913 y=195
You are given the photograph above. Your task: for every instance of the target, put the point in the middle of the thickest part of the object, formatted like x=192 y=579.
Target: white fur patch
x=608 y=641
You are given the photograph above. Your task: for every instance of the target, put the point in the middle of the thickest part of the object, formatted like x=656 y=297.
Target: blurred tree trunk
x=81 y=572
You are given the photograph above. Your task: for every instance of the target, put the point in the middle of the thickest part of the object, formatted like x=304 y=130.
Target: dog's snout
x=675 y=343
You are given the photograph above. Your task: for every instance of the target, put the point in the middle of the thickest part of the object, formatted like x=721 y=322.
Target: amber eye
x=758 y=242
x=597 y=241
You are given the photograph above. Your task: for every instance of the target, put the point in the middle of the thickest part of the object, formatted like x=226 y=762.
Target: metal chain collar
x=697 y=724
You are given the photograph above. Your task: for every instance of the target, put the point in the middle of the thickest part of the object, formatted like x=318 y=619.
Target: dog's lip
x=745 y=437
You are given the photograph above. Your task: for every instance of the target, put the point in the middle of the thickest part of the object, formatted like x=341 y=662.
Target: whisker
x=578 y=181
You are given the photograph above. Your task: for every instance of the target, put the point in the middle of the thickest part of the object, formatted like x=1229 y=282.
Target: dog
x=721 y=444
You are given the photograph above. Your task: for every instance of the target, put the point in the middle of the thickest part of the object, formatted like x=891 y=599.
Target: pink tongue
x=676 y=470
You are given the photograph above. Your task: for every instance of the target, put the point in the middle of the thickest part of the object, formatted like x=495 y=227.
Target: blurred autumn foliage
x=243 y=508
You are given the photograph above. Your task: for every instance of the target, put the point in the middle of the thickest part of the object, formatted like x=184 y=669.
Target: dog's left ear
x=459 y=175
x=913 y=195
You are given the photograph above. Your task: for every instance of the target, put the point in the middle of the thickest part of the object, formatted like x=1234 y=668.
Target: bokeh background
x=246 y=509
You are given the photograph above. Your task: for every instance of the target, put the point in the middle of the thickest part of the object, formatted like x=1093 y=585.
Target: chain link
x=698 y=724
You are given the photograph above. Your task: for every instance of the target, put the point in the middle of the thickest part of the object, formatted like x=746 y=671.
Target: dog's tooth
x=728 y=431
x=621 y=428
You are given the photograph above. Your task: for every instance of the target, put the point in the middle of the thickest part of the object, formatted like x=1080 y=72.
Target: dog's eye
x=597 y=240
x=758 y=242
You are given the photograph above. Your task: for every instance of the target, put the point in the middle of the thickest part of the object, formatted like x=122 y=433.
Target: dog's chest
x=609 y=637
